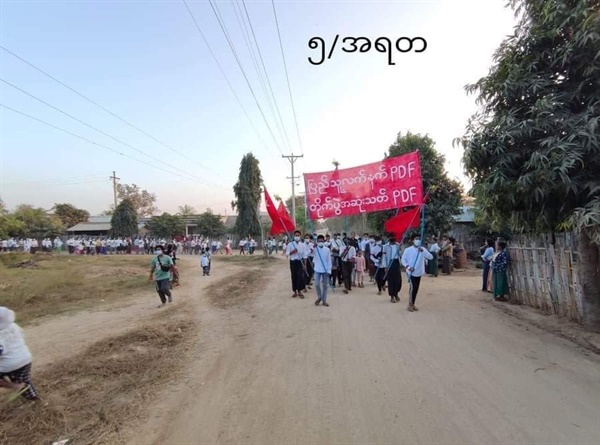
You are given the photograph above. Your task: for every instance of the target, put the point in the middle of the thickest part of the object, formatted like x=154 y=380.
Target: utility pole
x=292 y=158
x=114 y=180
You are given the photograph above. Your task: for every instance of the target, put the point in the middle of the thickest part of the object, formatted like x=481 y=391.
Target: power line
x=287 y=77
x=100 y=131
x=267 y=75
x=37 y=181
x=89 y=141
x=104 y=109
x=29 y=186
x=232 y=47
x=225 y=77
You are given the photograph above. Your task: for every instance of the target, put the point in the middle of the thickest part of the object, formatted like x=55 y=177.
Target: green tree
x=301 y=217
x=210 y=224
x=36 y=222
x=248 y=196
x=186 y=210
x=445 y=194
x=166 y=225
x=533 y=148
x=142 y=200
x=124 y=221
x=70 y=215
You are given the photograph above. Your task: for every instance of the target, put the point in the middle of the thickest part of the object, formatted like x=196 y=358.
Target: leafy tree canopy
x=70 y=215
x=28 y=221
x=166 y=225
x=445 y=194
x=210 y=224
x=248 y=195
x=124 y=221
x=533 y=148
x=141 y=200
x=186 y=210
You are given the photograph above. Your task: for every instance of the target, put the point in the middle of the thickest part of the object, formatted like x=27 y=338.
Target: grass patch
x=93 y=395
x=246 y=260
x=45 y=284
x=240 y=287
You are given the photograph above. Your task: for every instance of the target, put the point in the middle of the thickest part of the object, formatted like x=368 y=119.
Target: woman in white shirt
x=15 y=358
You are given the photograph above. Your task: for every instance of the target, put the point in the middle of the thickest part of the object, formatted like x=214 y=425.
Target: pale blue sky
x=146 y=62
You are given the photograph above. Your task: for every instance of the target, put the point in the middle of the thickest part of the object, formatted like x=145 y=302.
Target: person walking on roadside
x=447 y=254
x=348 y=257
x=161 y=267
x=432 y=265
x=295 y=252
x=488 y=255
x=391 y=261
x=413 y=260
x=376 y=259
x=322 y=270
x=361 y=265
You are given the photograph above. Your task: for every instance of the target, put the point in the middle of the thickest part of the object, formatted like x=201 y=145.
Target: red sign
x=389 y=184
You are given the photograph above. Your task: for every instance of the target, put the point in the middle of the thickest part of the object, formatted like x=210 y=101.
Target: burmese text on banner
x=393 y=183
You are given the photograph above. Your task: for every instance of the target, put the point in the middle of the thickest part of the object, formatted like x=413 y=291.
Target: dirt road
x=278 y=370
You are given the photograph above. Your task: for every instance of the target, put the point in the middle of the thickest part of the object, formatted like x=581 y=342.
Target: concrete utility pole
x=114 y=180
x=292 y=158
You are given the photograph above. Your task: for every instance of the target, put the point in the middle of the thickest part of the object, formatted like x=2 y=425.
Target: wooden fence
x=546 y=275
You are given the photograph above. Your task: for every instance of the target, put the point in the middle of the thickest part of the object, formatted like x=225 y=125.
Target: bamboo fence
x=546 y=275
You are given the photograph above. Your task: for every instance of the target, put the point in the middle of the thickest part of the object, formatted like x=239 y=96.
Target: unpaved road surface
x=277 y=370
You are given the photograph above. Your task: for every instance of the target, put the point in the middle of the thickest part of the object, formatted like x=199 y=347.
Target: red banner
x=389 y=184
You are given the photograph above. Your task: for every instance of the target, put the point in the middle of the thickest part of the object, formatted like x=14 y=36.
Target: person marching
x=361 y=265
x=205 y=263
x=161 y=267
x=309 y=254
x=348 y=258
x=322 y=270
x=391 y=261
x=376 y=259
x=413 y=260
x=295 y=252
x=432 y=265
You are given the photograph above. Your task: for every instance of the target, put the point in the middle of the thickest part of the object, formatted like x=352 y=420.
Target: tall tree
x=124 y=221
x=186 y=210
x=36 y=222
x=142 y=200
x=533 y=148
x=445 y=194
x=210 y=224
x=248 y=195
x=70 y=215
x=166 y=225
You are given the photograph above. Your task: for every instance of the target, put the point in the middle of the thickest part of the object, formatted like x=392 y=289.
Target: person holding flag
x=413 y=260
x=295 y=251
x=391 y=261
x=322 y=270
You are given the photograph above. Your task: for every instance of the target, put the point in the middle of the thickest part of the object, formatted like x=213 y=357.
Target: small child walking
x=205 y=262
x=360 y=269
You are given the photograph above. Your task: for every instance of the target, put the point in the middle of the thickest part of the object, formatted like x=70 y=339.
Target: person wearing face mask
x=391 y=261
x=376 y=260
x=322 y=270
x=295 y=251
x=309 y=253
x=161 y=267
x=413 y=260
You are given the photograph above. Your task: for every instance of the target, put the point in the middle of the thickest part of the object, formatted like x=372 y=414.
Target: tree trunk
x=590 y=282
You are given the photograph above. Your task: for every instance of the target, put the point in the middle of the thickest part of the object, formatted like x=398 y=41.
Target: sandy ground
x=277 y=370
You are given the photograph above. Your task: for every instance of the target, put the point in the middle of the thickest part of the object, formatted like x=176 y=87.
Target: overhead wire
x=232 y=47
x=126 y=122
x=226 y=78
x=37 y=181
x=97 y=144
x=287 y=78
x=266 y=74
x=103 y=132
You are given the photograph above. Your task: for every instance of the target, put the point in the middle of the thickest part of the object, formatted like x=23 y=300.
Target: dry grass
x=94 y=395
x=40 y=285
x=246 y=260
x=240 y=286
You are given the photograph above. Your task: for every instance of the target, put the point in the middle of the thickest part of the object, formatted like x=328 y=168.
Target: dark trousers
x=415 y=282
x=347 y=274
x=486 y=272
x=22 y=375
x=163 y=287
x=310 y=269
x=336 y=272
x=297 y=272
x=394 y=279
x=447 y=265
x=380 y=278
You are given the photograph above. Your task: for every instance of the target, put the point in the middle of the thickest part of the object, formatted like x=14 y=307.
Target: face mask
x=417 y=243
x=297 y=238
x=158 y=252
x=379 y=243
x=306 y=240
x=321 y=244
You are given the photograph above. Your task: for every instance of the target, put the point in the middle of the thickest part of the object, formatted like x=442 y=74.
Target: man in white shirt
x=391 y=262
x=322 y=270
x=309 y=253
x=347 y=256
x=295 y=252
x=377 y=261
x=413 y=259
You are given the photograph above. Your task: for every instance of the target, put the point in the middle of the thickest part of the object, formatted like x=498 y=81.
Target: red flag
x=285 y=216
x=280 y=224
x=399 y=224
